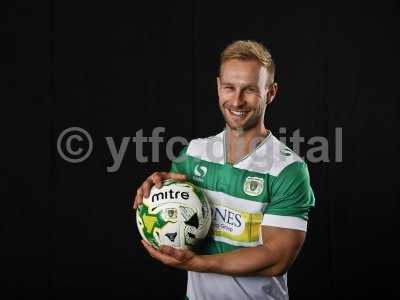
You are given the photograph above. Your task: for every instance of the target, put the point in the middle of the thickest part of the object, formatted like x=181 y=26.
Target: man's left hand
x=178 y=258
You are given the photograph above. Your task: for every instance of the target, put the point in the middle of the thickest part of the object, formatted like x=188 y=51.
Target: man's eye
x=251 y=90
x=228 y=88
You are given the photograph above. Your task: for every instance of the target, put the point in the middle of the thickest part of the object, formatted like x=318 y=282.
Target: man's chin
x=240 y=127
x=235 y=127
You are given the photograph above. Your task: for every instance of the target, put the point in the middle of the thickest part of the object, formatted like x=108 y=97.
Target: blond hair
x=249 y=50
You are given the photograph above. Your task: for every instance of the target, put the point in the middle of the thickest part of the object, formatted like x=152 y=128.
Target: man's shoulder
x=207 y=148
x=272 y=157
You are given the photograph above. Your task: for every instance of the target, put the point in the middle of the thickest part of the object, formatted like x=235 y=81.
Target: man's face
x=243 y=93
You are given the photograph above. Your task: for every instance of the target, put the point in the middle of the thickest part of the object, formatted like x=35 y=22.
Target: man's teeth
x=237 y=113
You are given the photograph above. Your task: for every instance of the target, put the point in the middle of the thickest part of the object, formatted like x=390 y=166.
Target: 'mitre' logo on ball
x=169 y=195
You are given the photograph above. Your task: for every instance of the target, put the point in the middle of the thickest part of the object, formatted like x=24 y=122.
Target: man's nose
x=237 y=98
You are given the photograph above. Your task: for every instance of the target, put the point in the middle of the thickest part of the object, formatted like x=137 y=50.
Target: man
x=258 y=188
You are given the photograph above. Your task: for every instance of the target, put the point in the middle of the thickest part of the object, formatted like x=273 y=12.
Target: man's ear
x=273 y=89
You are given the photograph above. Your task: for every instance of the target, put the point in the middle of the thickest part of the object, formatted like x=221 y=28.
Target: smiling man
x=258 y=188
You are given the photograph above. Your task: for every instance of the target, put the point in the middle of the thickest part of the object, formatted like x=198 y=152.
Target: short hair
x=249 y=50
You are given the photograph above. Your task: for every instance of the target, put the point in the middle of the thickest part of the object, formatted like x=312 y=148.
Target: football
x=177 y=214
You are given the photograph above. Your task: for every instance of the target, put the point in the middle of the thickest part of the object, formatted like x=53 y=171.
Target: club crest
x=253 y=186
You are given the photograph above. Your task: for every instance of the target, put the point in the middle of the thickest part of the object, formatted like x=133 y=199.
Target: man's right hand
x=154 y=179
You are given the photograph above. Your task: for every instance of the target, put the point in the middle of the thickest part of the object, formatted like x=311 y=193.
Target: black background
x=113 y=68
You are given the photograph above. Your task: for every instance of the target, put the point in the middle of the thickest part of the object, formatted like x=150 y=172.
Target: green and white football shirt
x=270 y=186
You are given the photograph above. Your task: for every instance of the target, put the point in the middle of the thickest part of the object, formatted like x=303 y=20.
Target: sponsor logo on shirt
x=199 y=173
x=228 y=220
x=237 y=226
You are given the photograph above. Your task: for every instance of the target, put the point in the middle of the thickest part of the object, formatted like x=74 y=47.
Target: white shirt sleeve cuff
x=284 y=222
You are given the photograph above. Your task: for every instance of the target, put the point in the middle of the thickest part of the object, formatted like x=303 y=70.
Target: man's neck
x=240 y=143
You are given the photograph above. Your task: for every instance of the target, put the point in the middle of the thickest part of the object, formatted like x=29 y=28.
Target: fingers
x=164 y=258
x=138 y=198
x=152 y=251
x=146 y=186
x=158 y=179
x=144 y=190
x=177 y=176
x=148 y=247
x=180 y=255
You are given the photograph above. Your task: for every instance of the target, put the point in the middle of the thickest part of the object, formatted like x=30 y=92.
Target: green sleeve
x=179 y=163
x=291 y=193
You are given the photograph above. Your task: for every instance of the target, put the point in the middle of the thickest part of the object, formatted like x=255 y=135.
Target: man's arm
x=273 y=258
x=279 y=250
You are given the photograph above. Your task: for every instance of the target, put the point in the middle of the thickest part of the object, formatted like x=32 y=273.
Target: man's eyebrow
x=226 y=83
x=246 y=86
x=251 y=86
x=243 y=86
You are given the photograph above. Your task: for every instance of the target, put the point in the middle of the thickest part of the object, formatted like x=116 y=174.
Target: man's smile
x=237 y=113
